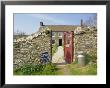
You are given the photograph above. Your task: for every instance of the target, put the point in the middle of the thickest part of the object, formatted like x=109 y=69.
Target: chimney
x=81 y=22
x=41 y=24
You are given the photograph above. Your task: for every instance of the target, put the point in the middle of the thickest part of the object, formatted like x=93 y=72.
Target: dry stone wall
x=86 y=41
x=27 y=50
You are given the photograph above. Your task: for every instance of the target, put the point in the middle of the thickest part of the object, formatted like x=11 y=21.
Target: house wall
x=56 y=37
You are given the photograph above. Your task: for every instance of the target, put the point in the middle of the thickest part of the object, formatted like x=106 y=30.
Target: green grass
x=48 y=69
x=92 y=56
x=54 y=48
x=90 y=69
x=59 y=71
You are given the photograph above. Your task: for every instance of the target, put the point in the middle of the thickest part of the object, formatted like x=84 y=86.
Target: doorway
x=63 y=47
x=60 y=42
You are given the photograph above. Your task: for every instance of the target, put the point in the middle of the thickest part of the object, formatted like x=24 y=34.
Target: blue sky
x=30 y=23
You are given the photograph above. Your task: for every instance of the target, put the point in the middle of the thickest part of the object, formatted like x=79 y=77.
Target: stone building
x=73 y=38
x=64 y=35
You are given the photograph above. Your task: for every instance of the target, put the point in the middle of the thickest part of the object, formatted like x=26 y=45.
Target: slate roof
x=60 y=27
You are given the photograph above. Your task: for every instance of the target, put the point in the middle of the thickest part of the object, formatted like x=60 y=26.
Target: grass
x=60 y=71
x=50 y=69
x=90 y=69
x=27 y=69
x=54 y=48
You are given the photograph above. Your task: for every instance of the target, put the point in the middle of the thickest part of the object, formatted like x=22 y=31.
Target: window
x=53 y=41
x=53 y=33
x=68 y=38
x=60 y=33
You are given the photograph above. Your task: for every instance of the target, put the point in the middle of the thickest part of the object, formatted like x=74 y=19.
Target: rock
x=27 y=50
x=86 y=42
x=78 y=30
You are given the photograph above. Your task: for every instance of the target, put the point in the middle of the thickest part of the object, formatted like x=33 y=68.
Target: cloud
x=47 y=18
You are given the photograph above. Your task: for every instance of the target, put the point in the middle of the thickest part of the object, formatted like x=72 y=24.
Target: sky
x=30 y=22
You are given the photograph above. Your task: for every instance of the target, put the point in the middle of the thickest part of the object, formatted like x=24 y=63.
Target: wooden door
x=68 y=46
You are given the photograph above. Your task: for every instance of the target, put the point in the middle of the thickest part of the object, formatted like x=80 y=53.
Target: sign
x=44 y=57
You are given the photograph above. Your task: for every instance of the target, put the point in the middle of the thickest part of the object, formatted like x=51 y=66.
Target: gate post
x=64 y=44
x=72 y=46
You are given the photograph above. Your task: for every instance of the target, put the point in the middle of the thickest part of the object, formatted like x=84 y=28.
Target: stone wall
x=86 y=41
x=27 y=50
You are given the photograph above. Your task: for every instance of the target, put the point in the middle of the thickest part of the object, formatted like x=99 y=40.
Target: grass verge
x=90 y=69
x=47 y=69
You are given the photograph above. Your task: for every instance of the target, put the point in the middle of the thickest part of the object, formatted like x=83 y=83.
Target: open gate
x=68 y=46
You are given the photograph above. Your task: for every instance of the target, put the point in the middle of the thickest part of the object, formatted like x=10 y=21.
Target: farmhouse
x=63 y=35
x=62 y=42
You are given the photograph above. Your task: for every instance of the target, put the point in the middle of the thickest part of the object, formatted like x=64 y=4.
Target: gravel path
x=58 y=57
x=63 y=69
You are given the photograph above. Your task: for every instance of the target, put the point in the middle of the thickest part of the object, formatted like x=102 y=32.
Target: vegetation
x=29 y=69
x=55 y=45
x=19 y=34
x=91 y=21
x=50 y=69
x=54 y=48
x=71 y=69
x=90 y=69
x=47 y=33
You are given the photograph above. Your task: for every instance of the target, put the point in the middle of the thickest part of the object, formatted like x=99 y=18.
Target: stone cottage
x=64 y=35
x=73 y=38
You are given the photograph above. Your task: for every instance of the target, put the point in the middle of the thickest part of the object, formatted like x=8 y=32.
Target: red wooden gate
x=68 y=46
